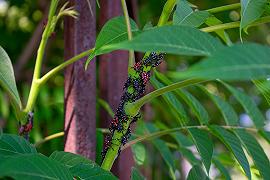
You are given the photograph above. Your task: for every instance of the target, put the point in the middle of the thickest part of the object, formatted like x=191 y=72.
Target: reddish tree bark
x=112 y=75
x=80 y=85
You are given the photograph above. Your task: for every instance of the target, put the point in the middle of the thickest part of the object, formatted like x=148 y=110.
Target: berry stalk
x=138 y=77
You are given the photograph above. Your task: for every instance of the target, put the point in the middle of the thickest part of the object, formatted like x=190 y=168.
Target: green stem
x=131 y=59
x=133 y=108
x=48 y=138
x=60 y=67
x=113 y=150
x=40 y=53
x=169 y=131
x=232 y=25
x=224 y=8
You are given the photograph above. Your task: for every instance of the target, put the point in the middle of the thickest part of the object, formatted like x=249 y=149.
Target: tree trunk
x=80 y=85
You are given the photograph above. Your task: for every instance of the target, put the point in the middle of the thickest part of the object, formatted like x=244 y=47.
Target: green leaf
x=182 y=140
x=204 y=145
x=180 y=40
x=91 y=171
x=195 y=105
x=69 y=159
x=139 y=153
x=265 y=135
x=163 y=149
x=225 y=108
x=249 y=106
x=136 y=175
x=255 y=150
x=114 y=31
x=234 y=145
x=11 y=145
x=211 y=21
x=196 y=173
x=251 y=10
x=237 y=62
x=7 y=79
x=172 y=101
x=222 y=169
x=263 y=85
x=33 y=166
x=184 y=15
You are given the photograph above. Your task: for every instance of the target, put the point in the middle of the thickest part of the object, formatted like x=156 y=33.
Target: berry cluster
x=25 y=129
x=134 y=89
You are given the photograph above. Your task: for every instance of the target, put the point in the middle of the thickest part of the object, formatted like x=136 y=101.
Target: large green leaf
x=163 y=149
x=33 y=166
x=69 y=159
x=7 y=79
x=256 y=152
x=114 y=31
x=139 y=153
x=174 y=104
x=91 y=172
x=251 y=10
x=180 y=40
x=225 y=108
x=204 y=145
x=11 y=145
x=249 y=106
x=184 y=15
x=196 y=173
x=234 y=145
x=237 y=62
x=136 y=175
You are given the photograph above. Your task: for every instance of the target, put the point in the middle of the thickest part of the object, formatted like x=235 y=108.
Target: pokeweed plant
x=183 y=35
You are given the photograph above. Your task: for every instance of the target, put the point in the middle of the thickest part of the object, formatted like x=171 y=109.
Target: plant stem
x=224 y=8
x=48 y=138
x=131 y=59
x=231 y=25
x=60 y=67
x=117 y=136
x=133 y=108
x=40 y=53
x=169 y=131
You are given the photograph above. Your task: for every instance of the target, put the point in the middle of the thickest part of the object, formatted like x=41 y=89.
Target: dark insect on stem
x=26 y=128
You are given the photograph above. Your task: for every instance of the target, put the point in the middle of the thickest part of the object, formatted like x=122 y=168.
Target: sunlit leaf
x=204 y=145
x=234 y=145
x=256 y=152
x=139 y=153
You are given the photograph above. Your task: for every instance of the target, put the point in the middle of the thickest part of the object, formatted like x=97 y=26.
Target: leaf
x=69 y=159
x=251 y=10
x=222 y=169
x=237 y=62
x=33 y=166
x=181 y=40
x=234 y=145
x=7 y=79
x=139 y=153
x=255 y=150
x=163 y=149
x=225 y=108
x=204 y=145
x=91 y=171
x=196 y=173
x=11 y=145
x=136 y=175
x=194 y=104
x=114 y=31
x=265 y=135
x=249 y=106
x=172 y=101
x=211 y=21
x=263 y=85
x=184 y=15
x=182 y=140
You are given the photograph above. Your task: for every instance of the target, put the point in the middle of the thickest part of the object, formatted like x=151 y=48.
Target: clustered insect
x=134 y=89
x=25 y=129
